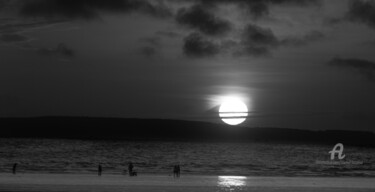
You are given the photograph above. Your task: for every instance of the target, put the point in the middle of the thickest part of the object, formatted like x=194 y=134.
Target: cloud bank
x=209 y=32
x=259 y=8
x=197 y=17
x=362 y=12
x=196 y=46
x=364 y=67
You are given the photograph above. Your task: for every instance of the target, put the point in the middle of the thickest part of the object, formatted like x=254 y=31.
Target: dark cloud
x=294 y=2
x=300 y=41
x=200 y=18
x=196 y=46
x=257 y=41
x=362 y=11
x=365 y=67
x=353 y=63
x=13 y=38
x=259 y=8
x=254 y=41
x=60 y=50
x=89 y=8
x=286 y=2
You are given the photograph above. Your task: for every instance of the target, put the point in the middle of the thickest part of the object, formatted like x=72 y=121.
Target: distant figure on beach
x=14 y=168
x=100 y=169
x=130 y=169
x=176 y=171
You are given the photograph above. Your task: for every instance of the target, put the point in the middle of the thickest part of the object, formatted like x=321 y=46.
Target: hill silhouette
x=170 y=130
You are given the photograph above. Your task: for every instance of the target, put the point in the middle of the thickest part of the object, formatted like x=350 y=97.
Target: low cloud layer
x=364 y=67
x=13 y=38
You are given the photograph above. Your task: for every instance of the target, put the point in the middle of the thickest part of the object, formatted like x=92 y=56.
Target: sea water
x=155 y=157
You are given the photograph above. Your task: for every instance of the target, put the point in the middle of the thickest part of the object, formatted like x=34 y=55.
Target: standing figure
x=100 y=169
x=178 y=170
x=130 y=168
x=14 y=169
x=174 y=171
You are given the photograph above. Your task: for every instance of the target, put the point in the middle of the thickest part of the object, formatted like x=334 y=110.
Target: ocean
x=154 y=157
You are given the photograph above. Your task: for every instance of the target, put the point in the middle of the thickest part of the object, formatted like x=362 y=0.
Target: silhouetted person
x=100 y=169
x=130 y=168
x=176 y=171
x=14 y=169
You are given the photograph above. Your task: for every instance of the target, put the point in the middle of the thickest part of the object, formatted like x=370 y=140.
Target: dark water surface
x=258 y=159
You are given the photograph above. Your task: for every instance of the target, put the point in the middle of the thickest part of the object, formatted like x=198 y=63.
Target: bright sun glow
x=233 y=111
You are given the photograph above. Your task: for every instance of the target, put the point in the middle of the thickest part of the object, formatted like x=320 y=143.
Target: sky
x=305 y=64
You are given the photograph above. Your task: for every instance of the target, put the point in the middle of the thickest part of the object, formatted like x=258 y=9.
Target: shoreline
x=150 y=182
x=117 y=173
x=140 y=174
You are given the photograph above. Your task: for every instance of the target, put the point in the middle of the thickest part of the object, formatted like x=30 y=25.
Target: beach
x=85 y=182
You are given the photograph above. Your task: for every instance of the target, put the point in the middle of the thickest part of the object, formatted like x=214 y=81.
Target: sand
x=159 y=183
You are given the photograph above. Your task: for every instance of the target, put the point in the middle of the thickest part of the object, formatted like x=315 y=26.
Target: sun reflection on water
x=231 y=182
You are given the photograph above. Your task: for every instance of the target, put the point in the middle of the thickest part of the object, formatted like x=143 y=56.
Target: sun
x=233 y=111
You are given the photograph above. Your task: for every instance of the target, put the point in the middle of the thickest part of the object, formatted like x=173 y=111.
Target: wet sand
x=159 y=183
